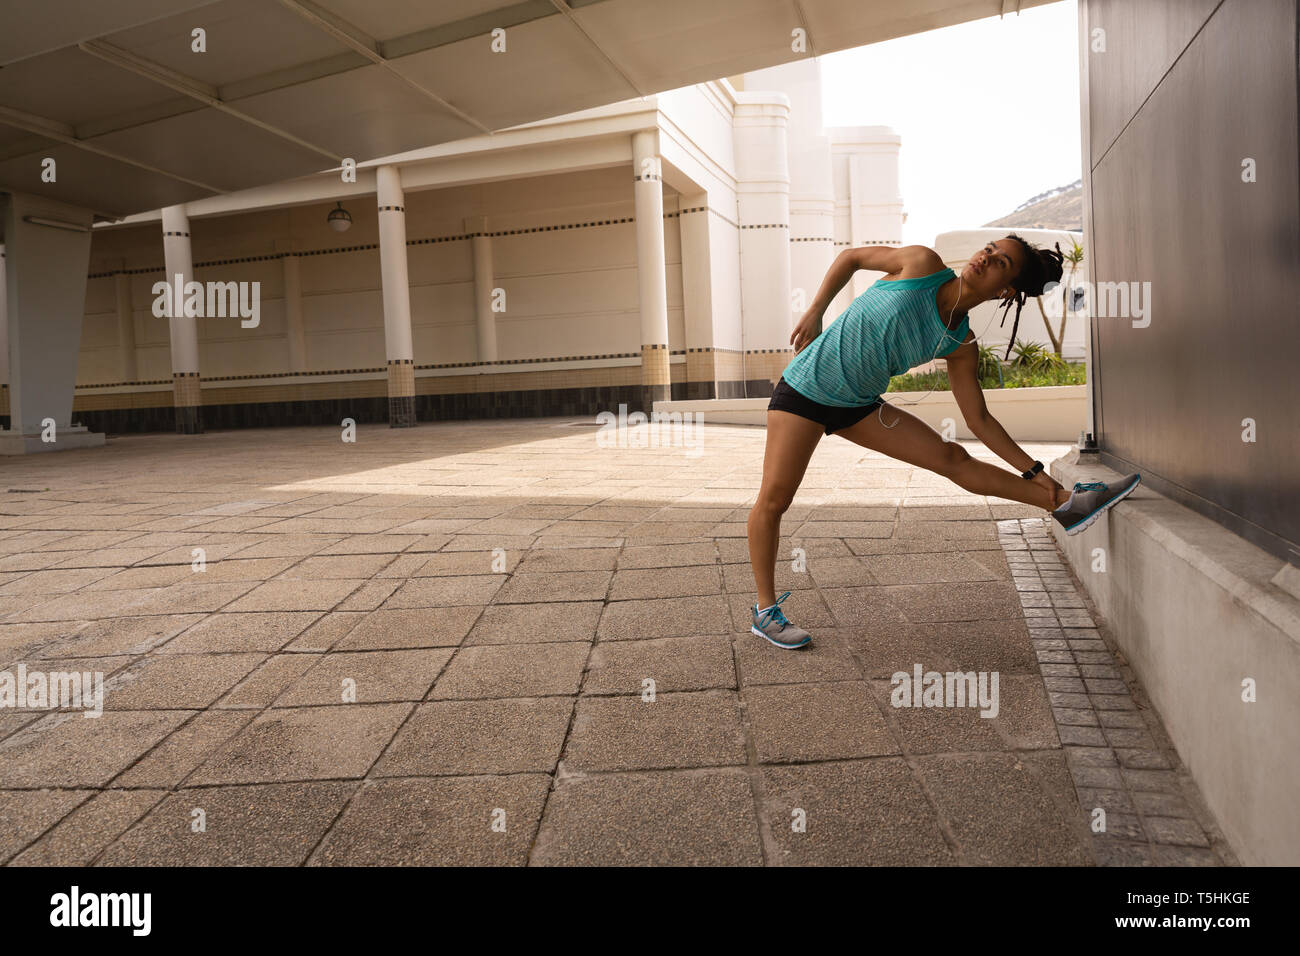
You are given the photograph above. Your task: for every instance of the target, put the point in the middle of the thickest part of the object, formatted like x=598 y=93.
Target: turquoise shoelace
x=774 y=613
x=1089 y=485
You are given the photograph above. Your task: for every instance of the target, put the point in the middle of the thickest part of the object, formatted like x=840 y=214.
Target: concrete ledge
x=1197 y=610
x=75 y=436
x=1051 y=413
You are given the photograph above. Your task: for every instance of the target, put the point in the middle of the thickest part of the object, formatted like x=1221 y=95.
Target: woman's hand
x=806 y=330
x=1050 y=483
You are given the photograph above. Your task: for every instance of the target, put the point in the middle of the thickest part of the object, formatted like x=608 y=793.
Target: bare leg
x=791 y=440
x=916 y=443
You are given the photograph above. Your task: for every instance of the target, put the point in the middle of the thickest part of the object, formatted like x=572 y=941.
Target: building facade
x=652 y=249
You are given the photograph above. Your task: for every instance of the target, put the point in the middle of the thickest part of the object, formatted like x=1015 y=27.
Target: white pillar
x=126 y=327
x=697 y=297
x=47 y=254
x=763 y=208
x=812 y=193
x=397 y=298
x=294 y=332
x=651 y=269
x=485 y=318
x=874 y=205
x=179 y=261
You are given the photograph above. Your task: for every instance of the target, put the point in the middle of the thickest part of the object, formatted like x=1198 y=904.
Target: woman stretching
x=834 y=386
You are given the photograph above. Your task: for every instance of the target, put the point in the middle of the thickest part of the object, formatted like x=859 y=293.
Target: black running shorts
x=831 y=417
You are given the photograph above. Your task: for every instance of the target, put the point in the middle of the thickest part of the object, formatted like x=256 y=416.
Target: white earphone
x=938 y=345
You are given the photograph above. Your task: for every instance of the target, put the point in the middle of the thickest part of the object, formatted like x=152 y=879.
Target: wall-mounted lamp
x=56 y=224
x=340 y=220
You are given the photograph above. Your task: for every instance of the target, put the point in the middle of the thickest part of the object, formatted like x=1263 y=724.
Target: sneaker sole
x=1088 y=521
x=784 y=647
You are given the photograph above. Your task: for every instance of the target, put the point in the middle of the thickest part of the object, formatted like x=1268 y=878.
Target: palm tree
x=1073 y=257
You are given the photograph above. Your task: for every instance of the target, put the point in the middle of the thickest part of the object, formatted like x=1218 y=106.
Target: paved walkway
x=497 y=642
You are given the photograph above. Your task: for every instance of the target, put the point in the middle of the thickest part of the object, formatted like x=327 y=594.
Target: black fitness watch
x=1038 y=466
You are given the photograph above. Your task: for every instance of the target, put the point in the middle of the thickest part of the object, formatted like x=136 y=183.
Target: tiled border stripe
x=1118 y=754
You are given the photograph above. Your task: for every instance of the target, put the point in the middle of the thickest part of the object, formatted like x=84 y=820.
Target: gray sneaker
x=771 y=624
x=1089 y=499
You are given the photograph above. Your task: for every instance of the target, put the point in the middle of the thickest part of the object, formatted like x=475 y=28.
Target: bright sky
x=988 y=112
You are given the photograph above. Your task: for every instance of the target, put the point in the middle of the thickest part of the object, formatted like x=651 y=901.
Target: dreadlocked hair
x=1042 y=267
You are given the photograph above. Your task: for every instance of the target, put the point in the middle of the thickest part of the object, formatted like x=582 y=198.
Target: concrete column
x=186 y=389
x=763 y=207
x=397 y=298
x=294 y=332
x=47 y=256
x=126 y=326
x=652 y=272
x=486 y=320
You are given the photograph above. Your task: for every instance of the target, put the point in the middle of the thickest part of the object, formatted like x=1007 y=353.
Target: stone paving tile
x=853 y=813
x=123 y=635
x=266 y=825
x=861 y=606
x=926 y=604
x=663 y=617
x=52 y=582
x=337 y=567
x=448 y=821
x=85 y=832
x=541 y=623
x=999 y=813
x=176 y=757
x=178 y=681
x=926 y=730
x=526 y=587
x=673 y=663
x=305 y=743
x=325 y=632
x=387 y=629
x=459 y=563
x=285 y=595
x=504 y=670
x=828 y=658
x=701 y=818
x=670 y=556
x=479 y=737
x=828 y=721
x=986 y=645
x=249 y=631
x=935 y=568
x=655 y=582
x=440 y=592
x=675 y=730
x=70 y=750
x=367 y=677
x=883 y=649
x=76 y=606
x=26 y=814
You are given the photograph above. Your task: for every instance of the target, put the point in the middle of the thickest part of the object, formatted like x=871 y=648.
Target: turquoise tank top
x=890 y=328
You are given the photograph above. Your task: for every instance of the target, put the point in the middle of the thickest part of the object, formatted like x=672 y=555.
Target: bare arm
x=963 y=366
x=904 y=262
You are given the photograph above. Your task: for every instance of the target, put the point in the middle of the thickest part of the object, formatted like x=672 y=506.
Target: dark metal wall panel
x=1222 y=257
x=1141 y=39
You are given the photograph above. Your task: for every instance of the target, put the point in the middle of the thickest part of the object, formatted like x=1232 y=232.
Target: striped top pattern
x=890 y=328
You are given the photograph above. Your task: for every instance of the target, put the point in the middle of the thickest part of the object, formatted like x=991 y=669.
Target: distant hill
x=1059 y=208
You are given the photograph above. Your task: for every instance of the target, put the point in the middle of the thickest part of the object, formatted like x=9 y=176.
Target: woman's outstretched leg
x=913 y=441
x=791 y=441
